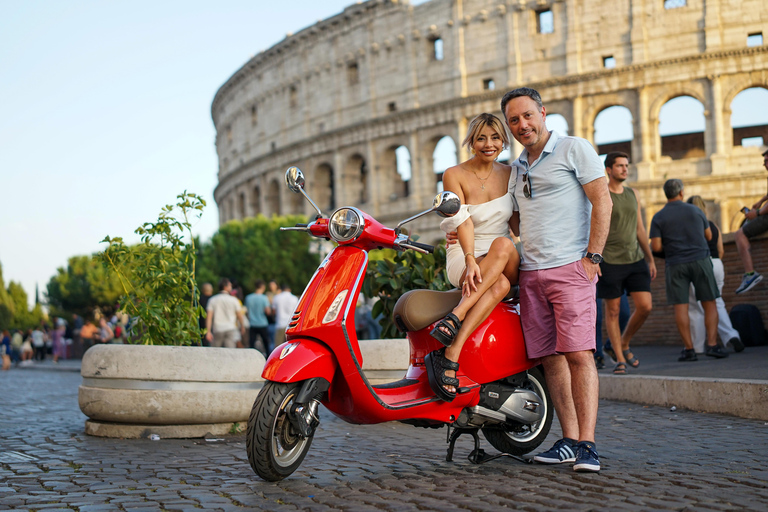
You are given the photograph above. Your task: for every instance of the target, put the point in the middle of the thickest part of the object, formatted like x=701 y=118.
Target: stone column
x=644 y=137
x=717 y=135
x=374 y=179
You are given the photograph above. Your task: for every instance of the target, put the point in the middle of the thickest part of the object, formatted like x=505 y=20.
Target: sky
x=105 y=115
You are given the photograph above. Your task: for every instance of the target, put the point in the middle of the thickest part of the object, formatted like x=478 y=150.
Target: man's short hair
x=611 y=157
x=673 y=187
x=259 y=283
x=765 y=152
x=223 y=283
x=517 y=93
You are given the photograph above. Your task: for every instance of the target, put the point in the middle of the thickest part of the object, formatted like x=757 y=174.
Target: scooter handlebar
x=425 y=248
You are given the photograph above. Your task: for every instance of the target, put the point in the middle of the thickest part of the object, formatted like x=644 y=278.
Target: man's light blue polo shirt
x=555 y=220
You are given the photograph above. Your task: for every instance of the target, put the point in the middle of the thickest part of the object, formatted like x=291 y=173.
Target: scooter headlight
x=346 y=224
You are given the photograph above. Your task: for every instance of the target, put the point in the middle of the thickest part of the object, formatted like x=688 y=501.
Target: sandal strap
x=445 y=362
x=449 y=381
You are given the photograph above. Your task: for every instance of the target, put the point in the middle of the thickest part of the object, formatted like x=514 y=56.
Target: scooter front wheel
x=275 y=448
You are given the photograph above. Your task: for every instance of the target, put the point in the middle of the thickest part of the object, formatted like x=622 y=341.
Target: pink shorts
x=558 y=310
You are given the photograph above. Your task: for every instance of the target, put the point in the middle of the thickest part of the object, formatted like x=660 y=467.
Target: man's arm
x=708 y=234
x=208 y=323
x=598 y=194
x=642 y=239
x=656 y=244
x=514 y=223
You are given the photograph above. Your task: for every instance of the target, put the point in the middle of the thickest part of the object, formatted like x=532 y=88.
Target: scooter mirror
x=294 y=178
x=446 y=204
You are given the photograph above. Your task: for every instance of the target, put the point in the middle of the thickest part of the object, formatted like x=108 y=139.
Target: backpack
x=747 y=320
x=118 y=331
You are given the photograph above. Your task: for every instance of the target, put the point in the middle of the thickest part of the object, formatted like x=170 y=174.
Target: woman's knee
x=501 y=287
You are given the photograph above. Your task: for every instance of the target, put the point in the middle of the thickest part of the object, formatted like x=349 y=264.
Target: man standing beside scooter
x=563 y=210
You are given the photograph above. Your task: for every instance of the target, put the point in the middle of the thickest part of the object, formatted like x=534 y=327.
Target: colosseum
x=364 y=102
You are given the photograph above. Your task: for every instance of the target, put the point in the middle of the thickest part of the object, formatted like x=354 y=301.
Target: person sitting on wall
x=757 y=223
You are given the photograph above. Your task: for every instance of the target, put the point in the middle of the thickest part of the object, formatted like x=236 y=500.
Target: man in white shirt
x=224 y=316
x=284 y=304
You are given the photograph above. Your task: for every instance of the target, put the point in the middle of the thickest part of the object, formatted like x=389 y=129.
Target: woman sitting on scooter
x=485 y=262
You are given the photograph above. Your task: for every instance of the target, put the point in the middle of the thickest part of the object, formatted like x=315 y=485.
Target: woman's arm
x=720 y=250
x=465 y=233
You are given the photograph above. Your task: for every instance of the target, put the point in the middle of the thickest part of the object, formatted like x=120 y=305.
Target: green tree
x=255 y=248
x=158 y=276
x=24 y=318
x=7 y=309
x=395 y=273
x=83 y=286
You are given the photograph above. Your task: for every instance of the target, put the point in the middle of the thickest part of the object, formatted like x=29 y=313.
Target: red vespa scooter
x=501 y=391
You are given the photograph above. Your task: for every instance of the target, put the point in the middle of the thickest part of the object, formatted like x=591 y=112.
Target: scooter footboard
x=300 y=359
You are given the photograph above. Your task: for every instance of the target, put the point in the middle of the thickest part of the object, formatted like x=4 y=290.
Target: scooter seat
x=417 y=309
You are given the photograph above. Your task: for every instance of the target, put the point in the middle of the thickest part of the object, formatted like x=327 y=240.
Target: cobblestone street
x=652 y=458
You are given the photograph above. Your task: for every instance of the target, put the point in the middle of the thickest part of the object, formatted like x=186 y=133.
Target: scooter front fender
x=300 y=359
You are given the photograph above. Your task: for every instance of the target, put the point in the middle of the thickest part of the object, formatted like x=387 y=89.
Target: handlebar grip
x=301 y=225
x=429 y=248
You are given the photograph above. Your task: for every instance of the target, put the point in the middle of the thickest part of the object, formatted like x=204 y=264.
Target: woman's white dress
x=491 y=220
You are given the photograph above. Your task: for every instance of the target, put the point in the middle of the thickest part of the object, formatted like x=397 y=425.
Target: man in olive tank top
x=627 y=263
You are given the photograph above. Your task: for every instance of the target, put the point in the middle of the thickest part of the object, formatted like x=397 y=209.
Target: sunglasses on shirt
x=527 y=185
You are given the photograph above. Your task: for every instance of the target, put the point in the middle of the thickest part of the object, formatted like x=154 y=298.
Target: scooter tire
x=275 y=449
x=518 y=439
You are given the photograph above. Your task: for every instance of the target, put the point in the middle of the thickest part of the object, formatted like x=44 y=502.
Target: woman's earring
x=472 y=150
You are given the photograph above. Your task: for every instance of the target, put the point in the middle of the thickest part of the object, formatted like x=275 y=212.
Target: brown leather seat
x=417 y=309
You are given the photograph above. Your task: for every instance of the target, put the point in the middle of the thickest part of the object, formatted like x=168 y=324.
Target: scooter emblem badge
x=288 y=349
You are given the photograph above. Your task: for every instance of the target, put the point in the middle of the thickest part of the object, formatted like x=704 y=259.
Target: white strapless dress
x=491 y=220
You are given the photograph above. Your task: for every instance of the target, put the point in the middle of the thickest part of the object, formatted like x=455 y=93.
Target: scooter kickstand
x=458 y=432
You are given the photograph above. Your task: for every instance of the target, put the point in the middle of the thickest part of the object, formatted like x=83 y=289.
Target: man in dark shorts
x=682 y=231
x=627 y=263
x=757 y=223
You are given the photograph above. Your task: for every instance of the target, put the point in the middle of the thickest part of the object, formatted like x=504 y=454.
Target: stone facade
x=337 y=98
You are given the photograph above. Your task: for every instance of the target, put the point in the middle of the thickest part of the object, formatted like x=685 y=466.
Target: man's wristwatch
x=594 y=257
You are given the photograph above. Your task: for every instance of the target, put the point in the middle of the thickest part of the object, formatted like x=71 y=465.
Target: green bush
x=398 y=272
x=158 y=276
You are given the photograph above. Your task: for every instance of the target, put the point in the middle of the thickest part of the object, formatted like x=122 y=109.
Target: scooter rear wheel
x=517 y=438
x=275 y=448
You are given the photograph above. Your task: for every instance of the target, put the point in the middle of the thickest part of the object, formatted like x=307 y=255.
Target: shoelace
x=585 y=448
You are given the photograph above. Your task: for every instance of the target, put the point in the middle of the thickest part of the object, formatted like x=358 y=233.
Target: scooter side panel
x=339 y=275
x=298 y=360
x=497 y=348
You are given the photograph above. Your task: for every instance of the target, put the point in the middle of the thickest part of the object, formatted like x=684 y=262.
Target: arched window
x=681 y=128
x=403 y=167
x=750 y=124
x=558 y=123
x=613 y=131
x=356 y=180
x=256 y=200
x=323 y=192
x=443 y=157
x=242 y=205
x=273 y=199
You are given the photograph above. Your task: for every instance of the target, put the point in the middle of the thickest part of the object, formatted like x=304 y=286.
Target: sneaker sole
x=586 y=468
x=737 y=345
x=545 y=460
x=750 y=286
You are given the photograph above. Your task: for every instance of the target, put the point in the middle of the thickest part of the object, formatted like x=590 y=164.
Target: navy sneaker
x=562 y=451
x=586 y=457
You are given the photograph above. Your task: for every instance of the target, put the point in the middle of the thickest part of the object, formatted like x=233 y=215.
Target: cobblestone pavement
x=653 y=459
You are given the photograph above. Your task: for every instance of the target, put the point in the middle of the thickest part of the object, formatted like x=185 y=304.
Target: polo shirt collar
x=548 y=148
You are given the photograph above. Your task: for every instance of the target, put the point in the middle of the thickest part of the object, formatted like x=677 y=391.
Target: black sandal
x=437 y=364
x=452 y=324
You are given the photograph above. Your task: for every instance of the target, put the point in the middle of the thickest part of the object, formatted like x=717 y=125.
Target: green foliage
x=84 y=286
x=398 y=272
x=158 y=276
x=14 y=308
x=255 y=248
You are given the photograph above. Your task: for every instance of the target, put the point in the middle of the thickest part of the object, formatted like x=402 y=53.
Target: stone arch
x=556 y=121
x=394 y=172
x=355 y=180
x=242 y=205
x=323 y=189
x=445 y=154
x=679 y=135
x=752 y=123
x=256 y=200
x=607 y=137
x=273 y=198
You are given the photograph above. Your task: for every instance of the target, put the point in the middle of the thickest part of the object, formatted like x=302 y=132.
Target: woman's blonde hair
x=480 y=122
x=699 y=202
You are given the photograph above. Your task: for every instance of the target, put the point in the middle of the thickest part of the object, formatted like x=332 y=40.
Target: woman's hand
x=472 y=277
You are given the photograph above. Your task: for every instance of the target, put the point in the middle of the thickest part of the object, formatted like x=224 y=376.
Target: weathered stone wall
x=338 y=97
